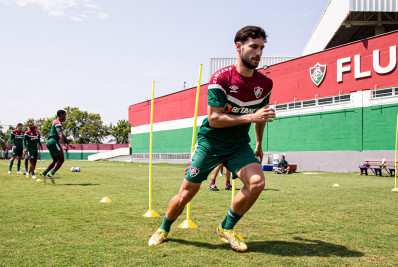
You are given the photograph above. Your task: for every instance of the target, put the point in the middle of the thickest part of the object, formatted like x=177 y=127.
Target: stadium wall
x=351 y=115
x=82 y=151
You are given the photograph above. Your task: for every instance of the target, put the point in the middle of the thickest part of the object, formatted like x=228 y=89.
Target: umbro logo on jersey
x=193 y=171
x=234 y=89
x=258 y=91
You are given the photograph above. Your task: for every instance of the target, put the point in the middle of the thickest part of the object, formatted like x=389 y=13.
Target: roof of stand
x=346 y=21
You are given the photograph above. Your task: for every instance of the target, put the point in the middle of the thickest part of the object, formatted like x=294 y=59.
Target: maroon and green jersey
x=31 y=139
x=57 y=125
x=283 y=164
x=239 y=95
x=16 y=138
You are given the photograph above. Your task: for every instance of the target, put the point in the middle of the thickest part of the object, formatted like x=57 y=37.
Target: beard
x=246 y=61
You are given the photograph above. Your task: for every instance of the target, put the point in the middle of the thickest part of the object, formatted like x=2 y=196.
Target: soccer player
x=237 y=96
x=30 y=141
x=17 y=147
x=57 y=152
x=25 y=156
x=219 y=168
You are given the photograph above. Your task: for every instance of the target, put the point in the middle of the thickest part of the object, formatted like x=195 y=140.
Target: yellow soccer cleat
x=231 y=237
x=158 y=237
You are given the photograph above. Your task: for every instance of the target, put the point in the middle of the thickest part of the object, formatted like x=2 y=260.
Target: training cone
x=395 y=190
x=151 y=213
x=39 y=180
x=106 y=200
x=187 y=224
x=336 y=185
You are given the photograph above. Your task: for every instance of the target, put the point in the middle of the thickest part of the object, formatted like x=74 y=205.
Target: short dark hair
x=60 y=112
x=247 y=32
x=19 y=124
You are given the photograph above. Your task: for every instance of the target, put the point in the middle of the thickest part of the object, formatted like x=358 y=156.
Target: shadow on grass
x=270 y=189
x=265 y=189
x=305 y=247
x=80 y=184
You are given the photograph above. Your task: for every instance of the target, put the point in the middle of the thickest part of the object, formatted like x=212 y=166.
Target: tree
x=5 y=137
x=83 y=127
x=120 y=132
x=44 y=126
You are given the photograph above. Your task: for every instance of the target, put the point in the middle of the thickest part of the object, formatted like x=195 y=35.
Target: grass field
x=299 y=219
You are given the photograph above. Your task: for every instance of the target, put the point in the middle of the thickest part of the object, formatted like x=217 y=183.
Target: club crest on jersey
x=234 y=89
x=193 y=171
x=317 y=73
x=258 y=91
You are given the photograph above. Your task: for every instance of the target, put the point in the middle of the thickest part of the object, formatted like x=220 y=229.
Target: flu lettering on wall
x=342 y=66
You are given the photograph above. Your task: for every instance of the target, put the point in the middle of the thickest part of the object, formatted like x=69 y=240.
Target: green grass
x=299 y=219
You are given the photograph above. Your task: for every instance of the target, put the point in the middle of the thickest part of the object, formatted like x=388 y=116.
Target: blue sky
x=102 y=56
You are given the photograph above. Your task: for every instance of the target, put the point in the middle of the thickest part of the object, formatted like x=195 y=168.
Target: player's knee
x=257 y=184
x=186 y=196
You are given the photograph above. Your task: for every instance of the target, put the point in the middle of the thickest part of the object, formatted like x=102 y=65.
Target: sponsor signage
x=345 y=65
x=353 y=64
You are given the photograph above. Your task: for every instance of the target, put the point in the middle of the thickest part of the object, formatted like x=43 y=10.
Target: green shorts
x=32 y=154
x=54 y=148
x=17 y=152
x=208 y=155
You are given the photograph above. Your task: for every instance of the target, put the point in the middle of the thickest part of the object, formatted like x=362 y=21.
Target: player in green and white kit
x=16 y=138
x=31 y=139
x=238 y=95
x=53 y=144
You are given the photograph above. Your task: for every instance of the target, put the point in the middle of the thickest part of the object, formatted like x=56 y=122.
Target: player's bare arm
x=62 y=139
x=218 y=119
x=259 y=132
x=41 y=147
x=25 y=144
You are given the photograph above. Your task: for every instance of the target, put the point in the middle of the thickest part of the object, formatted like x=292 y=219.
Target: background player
x=57 y=152
x=217 y=170
x=16 y=139
x=237 y=96
x=30 y=141
x=283 y=166
x=27 y=158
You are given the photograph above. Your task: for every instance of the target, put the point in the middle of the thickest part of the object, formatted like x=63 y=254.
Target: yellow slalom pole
x=150 y=212
x=188 y=223
x=233 y=190
x=395 y=189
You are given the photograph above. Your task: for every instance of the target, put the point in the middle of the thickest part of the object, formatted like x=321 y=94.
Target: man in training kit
x=30 y=141
x=56 y=151
x=17 y=147
x=25 y=156
x=237 y=96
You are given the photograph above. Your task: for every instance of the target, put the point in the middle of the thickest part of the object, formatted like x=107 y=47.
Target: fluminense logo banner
x=318 y=73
